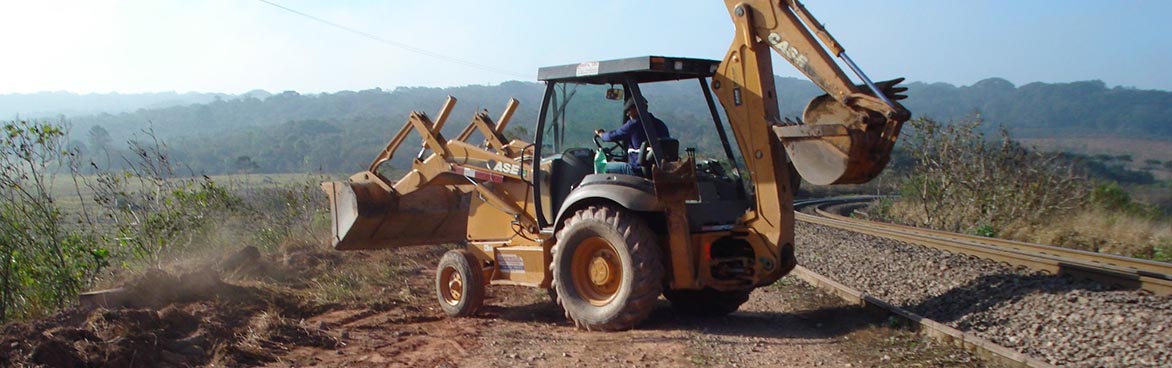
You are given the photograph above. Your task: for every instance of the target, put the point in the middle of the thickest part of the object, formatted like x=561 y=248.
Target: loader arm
x=845 y=136
x=430 y=203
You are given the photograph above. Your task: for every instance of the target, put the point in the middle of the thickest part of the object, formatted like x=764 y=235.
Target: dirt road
x=788 y=324
x=250 y=321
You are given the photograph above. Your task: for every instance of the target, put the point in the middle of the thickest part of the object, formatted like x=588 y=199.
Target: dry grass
x=312 y=272
x=70 y=196
x=363 y=277
x=1095 y=230
x=963 y=182
x=288 y=225
x=1103 y=231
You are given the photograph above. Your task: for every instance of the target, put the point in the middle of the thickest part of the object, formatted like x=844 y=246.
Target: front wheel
x=606 y=267
x=459 y=283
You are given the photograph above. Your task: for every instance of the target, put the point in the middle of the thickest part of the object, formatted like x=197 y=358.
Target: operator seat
x=670 y=147
x=671 y=152
x=569 y=168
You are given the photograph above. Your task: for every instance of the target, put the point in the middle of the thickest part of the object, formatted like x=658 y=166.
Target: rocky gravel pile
x=1059 y=319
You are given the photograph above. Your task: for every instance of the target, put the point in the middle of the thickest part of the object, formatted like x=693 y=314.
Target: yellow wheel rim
x=451 y=286
x=596 y=271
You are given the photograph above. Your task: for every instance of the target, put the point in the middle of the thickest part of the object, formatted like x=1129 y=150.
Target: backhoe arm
x=790 y=30
x=843 y=137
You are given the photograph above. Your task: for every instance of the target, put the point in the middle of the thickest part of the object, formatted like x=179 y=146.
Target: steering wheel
x=615 y=151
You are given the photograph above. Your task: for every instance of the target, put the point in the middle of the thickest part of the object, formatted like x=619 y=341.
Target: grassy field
x=66 y=192
x=1139 y=149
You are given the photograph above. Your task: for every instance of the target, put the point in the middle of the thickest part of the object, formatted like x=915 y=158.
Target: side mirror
x=614 y=93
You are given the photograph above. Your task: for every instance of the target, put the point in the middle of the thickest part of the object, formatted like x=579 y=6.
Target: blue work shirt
x=632 y=132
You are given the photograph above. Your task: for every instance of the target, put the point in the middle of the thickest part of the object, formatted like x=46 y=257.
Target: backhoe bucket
x=838 y=145
x=368 y=214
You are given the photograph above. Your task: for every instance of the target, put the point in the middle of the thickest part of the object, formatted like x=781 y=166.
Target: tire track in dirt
x=790 y=324
x=265 y=321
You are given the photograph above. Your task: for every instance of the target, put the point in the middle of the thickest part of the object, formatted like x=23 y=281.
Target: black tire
x=620 y=255
x=552 y=294
x=707 y=302
x=459 y=283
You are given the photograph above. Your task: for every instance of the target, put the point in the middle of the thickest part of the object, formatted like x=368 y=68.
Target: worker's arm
x=622 y=133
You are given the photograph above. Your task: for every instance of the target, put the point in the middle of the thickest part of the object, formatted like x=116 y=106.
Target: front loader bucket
x=838 y=145
x=368 y=214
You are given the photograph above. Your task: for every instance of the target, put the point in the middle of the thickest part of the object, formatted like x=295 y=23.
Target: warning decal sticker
x=510 y=263
x=587 y=68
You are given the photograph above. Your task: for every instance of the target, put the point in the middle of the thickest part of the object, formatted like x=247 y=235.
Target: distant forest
x=340 y=132
x=53 y=104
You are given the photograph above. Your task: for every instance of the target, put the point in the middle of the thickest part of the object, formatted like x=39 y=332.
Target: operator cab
x=580 y=98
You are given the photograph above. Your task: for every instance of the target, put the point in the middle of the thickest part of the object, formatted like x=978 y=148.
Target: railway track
x=988 y=350
x=1130 y=273
x=1053 y=348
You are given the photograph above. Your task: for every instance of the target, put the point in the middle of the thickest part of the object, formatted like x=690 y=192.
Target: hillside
x=53 y=104
x=292 y=132
x=1047 y=110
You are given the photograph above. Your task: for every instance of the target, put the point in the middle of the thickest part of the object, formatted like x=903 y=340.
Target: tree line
x=339 y=132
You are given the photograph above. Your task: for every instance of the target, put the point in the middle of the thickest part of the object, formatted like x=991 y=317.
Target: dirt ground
x=257 y=313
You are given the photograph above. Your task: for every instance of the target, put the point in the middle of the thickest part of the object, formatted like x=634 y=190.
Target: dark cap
x=631 y=103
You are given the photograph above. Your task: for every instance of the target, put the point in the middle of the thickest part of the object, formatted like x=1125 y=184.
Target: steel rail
x=997 y=354
x=1108 y=269
x=1145 y=267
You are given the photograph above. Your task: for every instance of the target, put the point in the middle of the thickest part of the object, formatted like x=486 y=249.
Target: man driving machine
x=633 y=133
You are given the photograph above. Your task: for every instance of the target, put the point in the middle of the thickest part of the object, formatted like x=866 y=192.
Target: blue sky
x=238 y=45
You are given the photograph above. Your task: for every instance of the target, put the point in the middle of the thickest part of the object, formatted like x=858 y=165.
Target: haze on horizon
x=234 y=46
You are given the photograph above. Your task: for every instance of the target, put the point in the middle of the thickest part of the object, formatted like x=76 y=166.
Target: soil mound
x=165 y=320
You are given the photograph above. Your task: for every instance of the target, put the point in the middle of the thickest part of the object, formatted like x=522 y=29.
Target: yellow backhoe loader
x=701 y=233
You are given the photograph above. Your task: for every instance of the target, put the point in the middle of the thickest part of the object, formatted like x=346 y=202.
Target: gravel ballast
x=1059 y=319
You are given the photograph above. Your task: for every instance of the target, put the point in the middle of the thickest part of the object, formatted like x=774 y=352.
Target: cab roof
x=643 y=69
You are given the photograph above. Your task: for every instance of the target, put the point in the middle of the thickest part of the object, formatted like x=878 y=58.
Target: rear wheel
x=606 y=269
x=707 y=302
x=459 y=283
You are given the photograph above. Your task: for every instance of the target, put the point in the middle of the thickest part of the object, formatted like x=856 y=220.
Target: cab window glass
x=574 y=112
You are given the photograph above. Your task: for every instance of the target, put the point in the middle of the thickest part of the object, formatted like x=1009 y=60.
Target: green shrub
x=1163 y=253
x=152 y=210
x=142 y=215
x=961 y=180
x=46 y=255
x=288 y=211
x=1112 y=197
x=984 y=230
